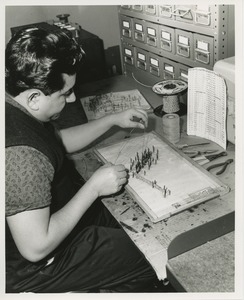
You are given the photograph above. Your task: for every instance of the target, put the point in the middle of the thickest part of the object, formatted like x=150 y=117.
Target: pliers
x=194 y=153
x=214 y=156
x=224 y=164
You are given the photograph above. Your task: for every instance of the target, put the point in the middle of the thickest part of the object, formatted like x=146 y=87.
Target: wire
x=144 y=143
x=123 y=146
x=144 y=140
x=149 y=86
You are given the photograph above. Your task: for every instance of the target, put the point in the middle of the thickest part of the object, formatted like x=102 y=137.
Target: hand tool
x=124 y=211
x=180 y=147
x=224 y=164
x=194 y=153
x=136 y=119
x=214 y=156
x=202 y=160
x=128 y=227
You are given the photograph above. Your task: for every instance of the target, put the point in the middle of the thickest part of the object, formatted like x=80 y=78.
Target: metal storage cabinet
x=188 y=35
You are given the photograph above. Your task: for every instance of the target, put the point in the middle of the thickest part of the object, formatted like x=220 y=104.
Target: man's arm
x=78 y=137
x=37 y=233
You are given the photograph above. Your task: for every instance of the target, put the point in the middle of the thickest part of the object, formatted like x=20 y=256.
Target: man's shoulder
x=28 y=175
x=25 y=154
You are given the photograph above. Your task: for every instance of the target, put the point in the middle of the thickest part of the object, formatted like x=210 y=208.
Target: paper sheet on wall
x=206 y=105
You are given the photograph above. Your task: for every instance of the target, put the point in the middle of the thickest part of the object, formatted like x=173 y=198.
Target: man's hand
x=78 y=137
x=109 y=179
x=131 y=118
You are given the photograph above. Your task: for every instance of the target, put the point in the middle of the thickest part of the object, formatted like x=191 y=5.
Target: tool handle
x=218 y=165
x=180 y=147
x=214 y=166
x=224 y=164
x=222 y=169
x=214 y=156
x=191 y=153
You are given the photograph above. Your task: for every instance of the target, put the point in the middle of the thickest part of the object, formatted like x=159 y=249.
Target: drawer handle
x=178 y=14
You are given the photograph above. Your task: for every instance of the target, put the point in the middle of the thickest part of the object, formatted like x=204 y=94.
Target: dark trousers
x=97 y=255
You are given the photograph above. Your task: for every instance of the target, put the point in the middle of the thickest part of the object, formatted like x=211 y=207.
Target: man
x=59 y=237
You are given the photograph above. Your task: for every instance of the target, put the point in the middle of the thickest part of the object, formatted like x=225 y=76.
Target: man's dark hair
x=37 y=58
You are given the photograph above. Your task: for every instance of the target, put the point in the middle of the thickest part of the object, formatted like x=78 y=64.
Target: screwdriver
x=180 y=147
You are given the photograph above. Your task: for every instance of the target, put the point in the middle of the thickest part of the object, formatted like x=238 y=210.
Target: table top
x=207 y=268
x=192 y=237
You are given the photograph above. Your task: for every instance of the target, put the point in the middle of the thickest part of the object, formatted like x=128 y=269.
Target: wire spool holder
x=170 y=91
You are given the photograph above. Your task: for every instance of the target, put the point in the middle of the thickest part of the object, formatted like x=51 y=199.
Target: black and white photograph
x=123 y=164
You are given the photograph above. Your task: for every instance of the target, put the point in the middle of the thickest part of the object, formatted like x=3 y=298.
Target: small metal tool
x=214 y=156
x=180 y=147
x=194 y=153
x=128 y=227
x=224 y=164
x=124 y=211
x=136 y=119
x=204 y=159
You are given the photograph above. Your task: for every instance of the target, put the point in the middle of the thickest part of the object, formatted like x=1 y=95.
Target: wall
x=101 y=20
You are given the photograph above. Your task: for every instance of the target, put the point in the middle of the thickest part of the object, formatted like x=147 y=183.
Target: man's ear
x=33 y=100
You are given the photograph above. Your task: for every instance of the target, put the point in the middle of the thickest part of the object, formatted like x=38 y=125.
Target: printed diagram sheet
x=161 y=180
x=206 y=105
x=100 y=105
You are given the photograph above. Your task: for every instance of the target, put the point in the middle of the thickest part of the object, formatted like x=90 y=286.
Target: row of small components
x=165 y=191
x=147 y=158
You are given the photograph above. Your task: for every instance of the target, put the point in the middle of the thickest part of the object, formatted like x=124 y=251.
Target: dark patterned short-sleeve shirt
x=28 y=178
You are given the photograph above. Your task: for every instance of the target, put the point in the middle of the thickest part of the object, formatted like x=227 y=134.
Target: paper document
x=100 y=105
x=206 y=105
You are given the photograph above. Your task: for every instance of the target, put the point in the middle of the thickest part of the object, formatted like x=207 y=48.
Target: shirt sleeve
x=28 y=178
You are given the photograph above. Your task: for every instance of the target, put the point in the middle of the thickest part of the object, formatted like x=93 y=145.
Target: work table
x=193 y=249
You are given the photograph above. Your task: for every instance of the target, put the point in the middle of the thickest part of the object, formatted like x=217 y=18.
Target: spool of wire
x=170 y=91
x=171 y=127
x=171 y=104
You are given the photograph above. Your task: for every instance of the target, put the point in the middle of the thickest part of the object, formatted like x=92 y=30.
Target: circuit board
x=162 y=180
x=100 y=105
